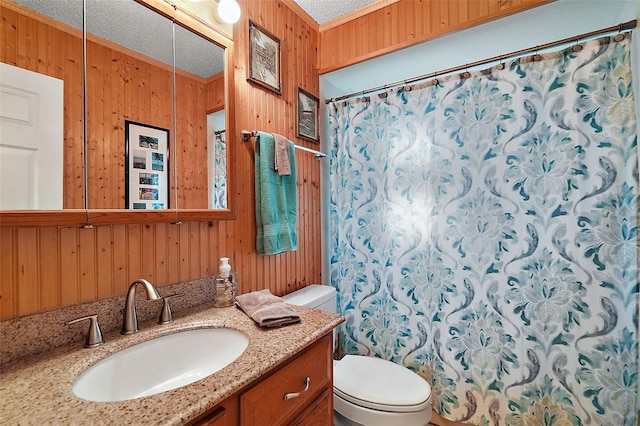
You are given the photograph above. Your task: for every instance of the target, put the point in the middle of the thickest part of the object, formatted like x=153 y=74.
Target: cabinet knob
x=94 y=335
x=289 y=396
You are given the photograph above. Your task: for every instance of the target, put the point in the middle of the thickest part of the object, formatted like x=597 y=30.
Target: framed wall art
x=264 y=58
x=147 y=167
x=307 y=116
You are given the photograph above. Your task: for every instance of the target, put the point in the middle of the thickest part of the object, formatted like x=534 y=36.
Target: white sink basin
x=161 y=364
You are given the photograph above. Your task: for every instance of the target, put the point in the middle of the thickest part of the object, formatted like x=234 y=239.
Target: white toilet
x=366 y=390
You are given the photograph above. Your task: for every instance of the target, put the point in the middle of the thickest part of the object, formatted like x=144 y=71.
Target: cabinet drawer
x=265 y=403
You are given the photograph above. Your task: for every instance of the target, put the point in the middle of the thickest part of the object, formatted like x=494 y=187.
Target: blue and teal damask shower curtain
x=484 y=235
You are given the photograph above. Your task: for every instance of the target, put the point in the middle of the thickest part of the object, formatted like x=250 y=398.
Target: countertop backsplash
x=44 y=331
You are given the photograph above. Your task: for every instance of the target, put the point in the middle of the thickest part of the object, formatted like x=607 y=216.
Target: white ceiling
x=323 y=11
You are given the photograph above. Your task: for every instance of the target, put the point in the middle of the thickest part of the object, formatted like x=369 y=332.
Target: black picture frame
x=307 y=118
x=264 y=58
x=146 y=171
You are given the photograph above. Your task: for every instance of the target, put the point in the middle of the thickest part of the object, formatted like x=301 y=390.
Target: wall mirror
x=155 y=93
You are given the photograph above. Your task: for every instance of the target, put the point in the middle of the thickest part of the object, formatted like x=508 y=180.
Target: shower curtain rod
x=245 y=135
x=625 y=26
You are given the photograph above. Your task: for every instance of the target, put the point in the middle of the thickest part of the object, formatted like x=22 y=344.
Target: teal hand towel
x=276 y=200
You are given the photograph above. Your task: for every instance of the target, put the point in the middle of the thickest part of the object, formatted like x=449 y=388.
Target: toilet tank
x=316 y=296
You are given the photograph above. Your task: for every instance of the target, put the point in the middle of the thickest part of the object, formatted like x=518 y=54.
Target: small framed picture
x=146 y=173
x=264 y=58
x=307 y=116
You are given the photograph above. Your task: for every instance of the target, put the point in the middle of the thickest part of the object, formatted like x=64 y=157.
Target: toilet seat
x=380 y=385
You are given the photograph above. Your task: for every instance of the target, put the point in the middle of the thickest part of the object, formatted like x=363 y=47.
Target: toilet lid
x=379 y=384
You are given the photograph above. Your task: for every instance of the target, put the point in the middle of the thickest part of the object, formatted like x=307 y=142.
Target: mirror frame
x=88 y=217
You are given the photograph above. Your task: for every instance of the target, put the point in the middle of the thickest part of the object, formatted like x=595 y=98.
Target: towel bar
x=245 y=135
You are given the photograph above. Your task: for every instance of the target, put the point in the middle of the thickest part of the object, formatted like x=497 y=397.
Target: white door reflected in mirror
x=31 y=151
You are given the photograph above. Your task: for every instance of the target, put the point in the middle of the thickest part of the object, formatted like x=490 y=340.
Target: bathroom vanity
x=37 y=389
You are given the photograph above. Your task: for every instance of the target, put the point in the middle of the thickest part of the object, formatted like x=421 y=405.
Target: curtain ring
x=407 y=88
x=536 y=56
x=620 y=36
x=577 y=47
x=435 y=81
x=466 y=73
x=500 y=66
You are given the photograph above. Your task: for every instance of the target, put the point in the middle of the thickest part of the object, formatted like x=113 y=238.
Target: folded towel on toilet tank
x=267 y=310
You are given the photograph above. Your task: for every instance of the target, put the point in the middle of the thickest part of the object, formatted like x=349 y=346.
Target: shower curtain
x=219 y=172
x=484 y=235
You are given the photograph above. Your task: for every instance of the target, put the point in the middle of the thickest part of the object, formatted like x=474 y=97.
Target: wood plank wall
x=191 y=143
x=115 y=93
x=215 y=93
x=47 y=268
x=378 y=32
x=261 y=109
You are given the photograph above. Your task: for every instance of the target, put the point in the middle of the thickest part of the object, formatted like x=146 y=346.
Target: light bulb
x=229 y=11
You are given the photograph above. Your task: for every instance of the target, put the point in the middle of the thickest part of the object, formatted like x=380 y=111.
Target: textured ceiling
x=323 y=11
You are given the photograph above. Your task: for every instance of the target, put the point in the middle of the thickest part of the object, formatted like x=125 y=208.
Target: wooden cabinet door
x=282 y=396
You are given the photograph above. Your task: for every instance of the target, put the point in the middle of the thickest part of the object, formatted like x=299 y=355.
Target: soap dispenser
x=224 y=269
x=225 y=285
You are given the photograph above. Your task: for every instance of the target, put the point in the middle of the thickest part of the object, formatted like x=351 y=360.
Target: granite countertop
x=37 y=389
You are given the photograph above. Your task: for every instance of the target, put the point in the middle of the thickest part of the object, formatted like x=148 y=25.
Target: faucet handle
x=166 y=316
x=94 y=335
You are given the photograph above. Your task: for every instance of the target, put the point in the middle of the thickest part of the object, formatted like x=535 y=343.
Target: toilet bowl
x=367 y=390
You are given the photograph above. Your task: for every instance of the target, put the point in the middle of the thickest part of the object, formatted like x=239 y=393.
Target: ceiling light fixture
x=229 y=11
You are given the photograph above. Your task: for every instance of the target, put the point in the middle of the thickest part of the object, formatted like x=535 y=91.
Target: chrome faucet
x=130 y=316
